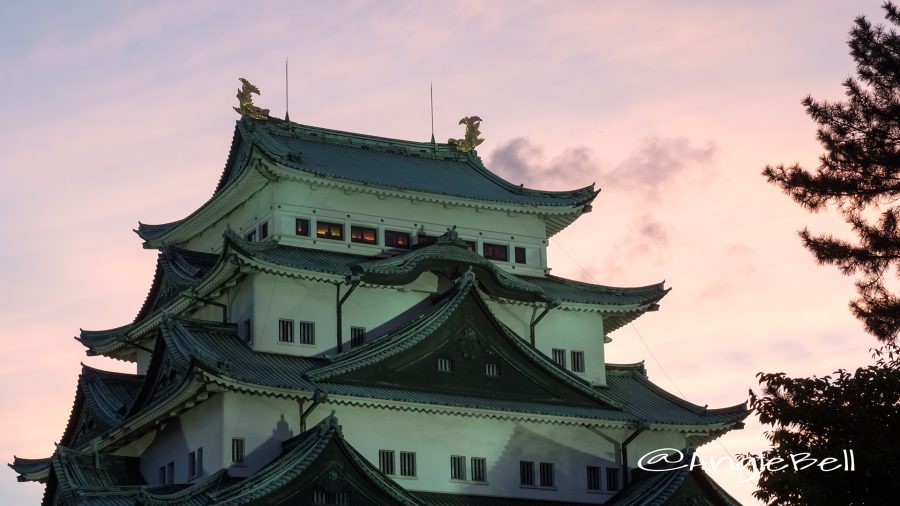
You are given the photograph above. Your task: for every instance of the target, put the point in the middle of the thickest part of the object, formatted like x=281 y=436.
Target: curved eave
x=252 y=179
x=691 y=415
x=104 y=342
x=31 y=469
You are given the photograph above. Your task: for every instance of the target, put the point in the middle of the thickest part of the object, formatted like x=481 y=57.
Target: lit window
x=492 y=369
x=520 y=255
x=286 y=331
x=457 y=467
x=407 y=464
x=302 y=227
x=306 y=332
x=237 y=450
x=526 y=473
x=479 y=469
x=559 y=356
x=364 y=235
x=496 y=251
x=326 y=230
x=394 y=239
x=578 y=361
x=444 y=364
x=386 y=461
x=593 y=478
x=357 y=336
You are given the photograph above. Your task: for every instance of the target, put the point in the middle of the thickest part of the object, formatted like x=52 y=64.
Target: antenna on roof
x=287 y=116
x=431 y=92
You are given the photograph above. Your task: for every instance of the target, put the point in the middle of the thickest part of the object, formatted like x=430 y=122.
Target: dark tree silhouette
x=822 y=417
x=859 y=174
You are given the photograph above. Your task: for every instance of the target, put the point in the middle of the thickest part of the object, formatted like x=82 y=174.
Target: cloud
x=657 y=162
x=646 y=239
x=524 y=162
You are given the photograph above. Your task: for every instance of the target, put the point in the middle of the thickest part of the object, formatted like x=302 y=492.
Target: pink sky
x=117 y=113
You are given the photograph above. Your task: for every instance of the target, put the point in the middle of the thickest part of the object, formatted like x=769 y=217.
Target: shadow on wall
x=569 y=462
x=267 y=451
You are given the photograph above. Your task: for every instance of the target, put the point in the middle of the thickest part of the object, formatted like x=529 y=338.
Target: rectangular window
x=170 y=473
x=192 y=464
x=263 y=230
x=198 y=466
x=496 y=252
x=365 y=235
x=547 y=478
x=457 y=467
x=386 y=461
x=306 y=332
x=479 y=469
x=320 y=496
x=470 y=245
x=357 y=336
x=559 y=356
x=247 y=331
x=342 y=498
x=394 y=239
x=286 y=331
x=237 y=450
x=326 y=230
x=593 y=478
x=302 y=227
x=162 y=475
x=520 y=255
x=407 y=463
x=251 y=236
x=444 y=364
x=612 y=479
x=526 y=473
x=492 y=369
x=578 y=361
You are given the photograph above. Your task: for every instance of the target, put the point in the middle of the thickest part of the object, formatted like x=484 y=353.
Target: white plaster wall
x=245 y=217
x=199 y=427
x=299 y=200
x=563 y=329
x=263 y=422
x=376 y=309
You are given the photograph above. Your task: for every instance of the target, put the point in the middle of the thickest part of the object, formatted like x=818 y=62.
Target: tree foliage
x=859 y=174
x=857 y=411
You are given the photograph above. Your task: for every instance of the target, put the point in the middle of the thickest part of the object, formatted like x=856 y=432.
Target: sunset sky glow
x=121 y=111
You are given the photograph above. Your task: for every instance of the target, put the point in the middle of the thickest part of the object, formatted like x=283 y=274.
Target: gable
x=473 y=341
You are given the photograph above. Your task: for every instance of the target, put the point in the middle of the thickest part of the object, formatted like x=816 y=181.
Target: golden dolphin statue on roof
x=245 y=102
x=471 y=140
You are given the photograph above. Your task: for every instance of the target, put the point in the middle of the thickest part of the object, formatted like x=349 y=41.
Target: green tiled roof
x=102 y=399
x=630 y=386
x=31 y=469
x=390 y=163
x=672 y=484
x=177 y=269
x=377 y=162
x=445 y=499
